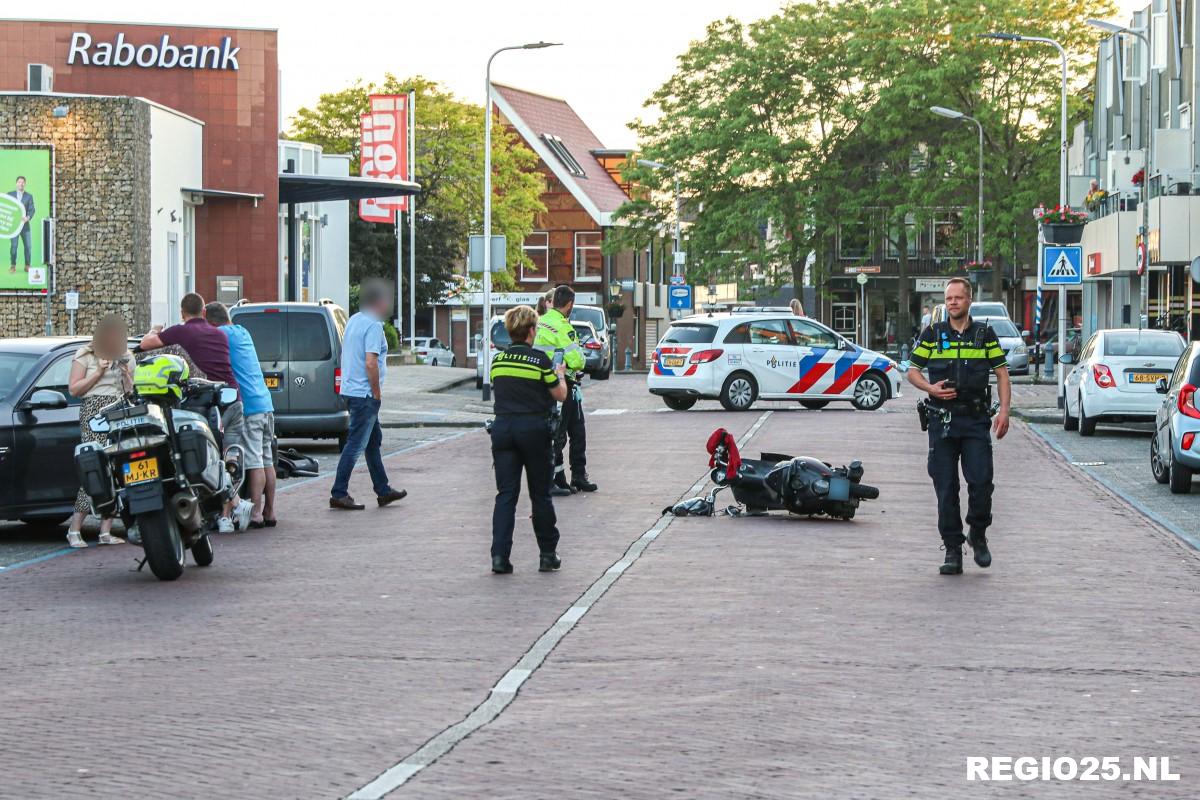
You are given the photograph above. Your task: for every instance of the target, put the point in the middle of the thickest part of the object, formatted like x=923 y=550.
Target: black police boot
x=560 y=487
x=978 y=542
x=953 y=563
x=549 y=562
x=582 y=483
x=501 y=565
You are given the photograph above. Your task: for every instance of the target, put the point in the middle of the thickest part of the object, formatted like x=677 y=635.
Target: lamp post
x=949 y=113
x=485 y=350
x=1143 y=279
x=1062 y=186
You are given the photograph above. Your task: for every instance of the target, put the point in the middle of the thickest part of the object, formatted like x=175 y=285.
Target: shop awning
x=295 y=188
x=225 y=194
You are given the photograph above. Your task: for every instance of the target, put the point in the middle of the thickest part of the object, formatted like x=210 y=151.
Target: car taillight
x=1104 y=377
x=592 y=345
x=139 y=454
x=1187 y=402
x=337 y=380
x=1188 y=439
x=705 y=356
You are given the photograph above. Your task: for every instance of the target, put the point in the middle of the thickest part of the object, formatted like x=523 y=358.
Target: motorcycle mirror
x=228 y=396
x=98 y=424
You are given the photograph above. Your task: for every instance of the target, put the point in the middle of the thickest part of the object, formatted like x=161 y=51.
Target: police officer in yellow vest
x=961 y=354
x=556 y=337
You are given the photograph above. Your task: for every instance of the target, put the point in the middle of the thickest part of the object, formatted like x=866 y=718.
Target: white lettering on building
x=161 y=54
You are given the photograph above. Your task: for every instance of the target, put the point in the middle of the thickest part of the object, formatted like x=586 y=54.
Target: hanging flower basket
x=1062 y=225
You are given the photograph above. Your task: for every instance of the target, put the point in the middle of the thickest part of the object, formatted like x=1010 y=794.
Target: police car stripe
x=846 y=379
x=810 y=378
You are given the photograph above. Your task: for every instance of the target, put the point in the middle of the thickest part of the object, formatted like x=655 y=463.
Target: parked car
x=604 y=334
x=979 y=310
x=1012 y=342
x=432 y=352
x=300 y=349
x=594 y=349
x=1115 y=376
x=39 y=429
x=738 y=358
x=1174 y=450
x=500 y=341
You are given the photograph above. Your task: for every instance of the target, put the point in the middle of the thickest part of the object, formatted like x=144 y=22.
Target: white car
x=738 y=358
x=433 y=352
x=1114 y=378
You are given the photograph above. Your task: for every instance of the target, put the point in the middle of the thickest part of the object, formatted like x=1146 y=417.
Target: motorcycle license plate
x=140 y=471
x=272 y=381
x=674 y=361
x=1144 y=377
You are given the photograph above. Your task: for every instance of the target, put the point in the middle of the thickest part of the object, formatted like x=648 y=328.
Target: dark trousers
x=572 y=425
x=522 y=442
x=26 y=239
x=364 y=435
x=969 y=442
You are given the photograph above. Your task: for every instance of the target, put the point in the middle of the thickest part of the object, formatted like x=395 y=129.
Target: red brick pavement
x=311 y=656
x=786 y=658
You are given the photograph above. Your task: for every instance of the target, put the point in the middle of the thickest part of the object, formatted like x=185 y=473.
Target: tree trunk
x=903 y=319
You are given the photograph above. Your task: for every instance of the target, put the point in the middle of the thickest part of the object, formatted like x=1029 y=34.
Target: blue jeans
x=364 y=435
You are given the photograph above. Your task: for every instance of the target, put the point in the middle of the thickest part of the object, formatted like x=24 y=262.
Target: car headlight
x=1019 y=350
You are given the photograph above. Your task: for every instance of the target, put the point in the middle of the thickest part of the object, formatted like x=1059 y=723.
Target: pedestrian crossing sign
x=1062 y=266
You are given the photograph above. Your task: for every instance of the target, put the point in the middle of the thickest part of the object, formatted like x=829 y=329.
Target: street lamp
x=485 y=350
x=676 y=267
x=1144 y=278
x=1062 y=187
x=950 y=113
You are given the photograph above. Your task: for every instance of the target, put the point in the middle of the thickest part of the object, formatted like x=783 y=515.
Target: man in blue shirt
x=256 y=434
x=364 y=367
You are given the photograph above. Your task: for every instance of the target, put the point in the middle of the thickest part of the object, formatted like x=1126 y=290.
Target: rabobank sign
x=161 y=54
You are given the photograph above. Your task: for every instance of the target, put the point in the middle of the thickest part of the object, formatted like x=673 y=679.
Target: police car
x=743 y=356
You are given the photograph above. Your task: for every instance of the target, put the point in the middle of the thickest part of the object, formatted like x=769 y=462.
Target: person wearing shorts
x=250 y=422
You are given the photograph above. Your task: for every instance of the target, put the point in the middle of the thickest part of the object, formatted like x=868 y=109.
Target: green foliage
x=449 y=167
x=393 y=339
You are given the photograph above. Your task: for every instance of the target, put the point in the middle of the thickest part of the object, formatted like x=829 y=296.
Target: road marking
x=505 y=690
x=39 y=559
x=609 y=412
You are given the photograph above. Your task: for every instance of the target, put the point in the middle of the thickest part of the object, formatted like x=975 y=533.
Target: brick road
x=737 y=658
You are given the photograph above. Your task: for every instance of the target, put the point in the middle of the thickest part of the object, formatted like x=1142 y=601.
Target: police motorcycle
x=159 y=464
x=775 y=482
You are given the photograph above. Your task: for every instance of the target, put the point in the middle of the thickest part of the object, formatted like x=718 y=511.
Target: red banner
x=384 y=153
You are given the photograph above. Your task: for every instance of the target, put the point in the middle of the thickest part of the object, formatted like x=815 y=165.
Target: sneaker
x=108 y=538
x=224 y=525
x=75 y=539
x=242 y=512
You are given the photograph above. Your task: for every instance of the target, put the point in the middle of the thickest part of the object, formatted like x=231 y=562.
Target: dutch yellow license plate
x=1144 y=377
x=140 y=471
x=674 y=361
x=272 y=381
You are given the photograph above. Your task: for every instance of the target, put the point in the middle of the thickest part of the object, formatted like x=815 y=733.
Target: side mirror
x=1160 y=386
x=844 y=344
x=228 y=396
x=1066 y=358
x=1024 y=334
x=44 y=399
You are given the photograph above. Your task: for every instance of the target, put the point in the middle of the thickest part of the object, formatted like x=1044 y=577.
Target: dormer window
x=564 y=155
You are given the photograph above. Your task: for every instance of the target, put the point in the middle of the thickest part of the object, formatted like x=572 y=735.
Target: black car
x=39 y=428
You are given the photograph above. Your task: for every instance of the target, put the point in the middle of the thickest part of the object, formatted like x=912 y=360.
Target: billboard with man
x=24 y=204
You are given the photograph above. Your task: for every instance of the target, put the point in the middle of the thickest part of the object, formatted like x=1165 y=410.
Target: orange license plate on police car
x=674 y=361
x=272 y=381
x=1144 y=377
x=140 y=471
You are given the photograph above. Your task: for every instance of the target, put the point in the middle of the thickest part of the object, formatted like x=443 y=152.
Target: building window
x=537 y=250
x=893 y=242
x=854 y=240
x=1133 y=61
x=564 y=155
x=948 y=239
x=1185 y=115
x=1160 y=41
x=588 y=266
x=1107 y=76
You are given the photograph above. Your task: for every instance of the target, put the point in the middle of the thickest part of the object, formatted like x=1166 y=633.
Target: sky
x=615 y=53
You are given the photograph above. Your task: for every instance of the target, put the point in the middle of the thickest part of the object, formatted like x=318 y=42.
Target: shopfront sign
x=384 y=153
x=160 y=54
x=1094 y=264
x=870 y=269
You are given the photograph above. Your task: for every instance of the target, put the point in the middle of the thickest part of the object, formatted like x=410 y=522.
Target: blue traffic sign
x=1062 y=266
x=680 y=297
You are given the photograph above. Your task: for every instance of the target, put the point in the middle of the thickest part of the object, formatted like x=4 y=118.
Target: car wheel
x=678 y=402
x=1180 y=478
x=1157 y=467
x=739 y=392
x=433 y=363
x=1069 y=423
x=1087 y=425
x=453 y=361
x=814 y=405
x=869 y=393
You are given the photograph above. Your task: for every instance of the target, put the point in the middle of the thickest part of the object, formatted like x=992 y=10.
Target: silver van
x=300 y=350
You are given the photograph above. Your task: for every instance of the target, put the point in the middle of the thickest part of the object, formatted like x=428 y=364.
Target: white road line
x=505 y=690
x=609 y=412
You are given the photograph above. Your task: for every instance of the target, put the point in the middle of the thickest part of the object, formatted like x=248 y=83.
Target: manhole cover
x=1088 y=463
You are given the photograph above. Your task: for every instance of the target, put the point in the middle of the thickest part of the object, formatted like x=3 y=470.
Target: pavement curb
x=432 y=424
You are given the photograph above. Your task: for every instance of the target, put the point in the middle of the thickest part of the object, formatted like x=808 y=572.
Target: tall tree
x=449 y=167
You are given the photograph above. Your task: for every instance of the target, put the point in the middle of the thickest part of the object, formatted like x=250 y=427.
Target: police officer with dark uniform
x=527 y=384
x=961 y=354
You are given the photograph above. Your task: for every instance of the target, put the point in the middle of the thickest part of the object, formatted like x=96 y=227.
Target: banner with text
x=25 y=203
x=384 y=153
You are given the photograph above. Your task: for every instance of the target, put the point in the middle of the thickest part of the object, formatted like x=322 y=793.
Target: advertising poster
x=25 y=200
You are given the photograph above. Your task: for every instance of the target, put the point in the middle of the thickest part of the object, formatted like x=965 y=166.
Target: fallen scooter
x=776 y=482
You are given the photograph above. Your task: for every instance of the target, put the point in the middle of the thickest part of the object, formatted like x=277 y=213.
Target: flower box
x=1058 y=233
